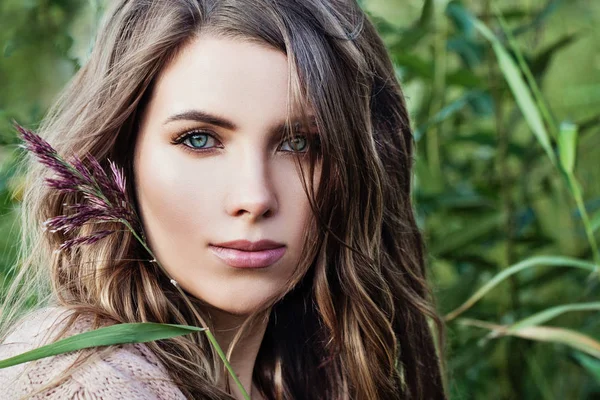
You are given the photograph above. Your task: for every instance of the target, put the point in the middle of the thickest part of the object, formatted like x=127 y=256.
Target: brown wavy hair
x=354 y=323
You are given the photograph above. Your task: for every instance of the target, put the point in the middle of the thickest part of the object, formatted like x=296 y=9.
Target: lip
x=247 y=254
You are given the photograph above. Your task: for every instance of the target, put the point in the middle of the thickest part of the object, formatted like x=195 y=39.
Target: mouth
x=246 y=254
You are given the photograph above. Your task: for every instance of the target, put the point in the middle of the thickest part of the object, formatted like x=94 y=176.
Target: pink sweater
x=131 y=371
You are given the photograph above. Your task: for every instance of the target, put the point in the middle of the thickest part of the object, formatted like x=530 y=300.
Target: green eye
x=297 y=143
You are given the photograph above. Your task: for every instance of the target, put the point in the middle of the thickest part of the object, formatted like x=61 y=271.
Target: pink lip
x=246 y=254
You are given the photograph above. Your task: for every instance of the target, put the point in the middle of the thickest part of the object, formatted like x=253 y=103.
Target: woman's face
x=219 y=192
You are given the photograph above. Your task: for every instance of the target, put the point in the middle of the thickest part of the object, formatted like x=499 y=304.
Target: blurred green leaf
x=416 y=33
x=590 y=364
x=550 y=8
x=541 y=62
x=461 y=18
x=421 y=68
x=467 y=234
x=470 y=51
x=445 y=113
x=542 y=383
x=464 y=77
x=595 y=223
x=589 y=123
x=9 y=47
x=567 y=146
x=521 y=92
x=482 y=103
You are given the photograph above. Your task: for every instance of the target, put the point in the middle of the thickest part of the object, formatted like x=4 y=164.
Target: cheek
x=177 y=200
x=293 y=204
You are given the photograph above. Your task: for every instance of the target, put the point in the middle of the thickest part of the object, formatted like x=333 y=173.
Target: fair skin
x=222 y=183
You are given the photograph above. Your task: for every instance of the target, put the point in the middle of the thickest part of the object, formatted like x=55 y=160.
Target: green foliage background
x=507 y=123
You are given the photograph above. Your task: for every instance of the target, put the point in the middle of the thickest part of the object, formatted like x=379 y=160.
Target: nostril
x=254 y=212
x=251 y=198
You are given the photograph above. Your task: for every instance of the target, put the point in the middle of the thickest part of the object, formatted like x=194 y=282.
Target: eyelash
x=189 y=134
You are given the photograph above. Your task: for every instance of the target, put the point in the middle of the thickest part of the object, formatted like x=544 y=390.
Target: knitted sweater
x=128 y=371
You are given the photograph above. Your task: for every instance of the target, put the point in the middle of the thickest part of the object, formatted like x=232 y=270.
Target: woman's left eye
x=296 y=144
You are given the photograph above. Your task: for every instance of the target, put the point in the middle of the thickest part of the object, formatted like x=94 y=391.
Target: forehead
x=245 y=81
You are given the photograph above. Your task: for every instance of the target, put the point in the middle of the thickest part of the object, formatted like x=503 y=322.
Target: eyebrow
x=217 y=120
x=202 y=116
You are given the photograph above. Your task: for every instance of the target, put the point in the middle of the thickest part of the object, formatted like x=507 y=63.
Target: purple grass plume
x=104 y=198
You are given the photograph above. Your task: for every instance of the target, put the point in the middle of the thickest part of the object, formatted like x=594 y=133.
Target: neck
x=243 y=358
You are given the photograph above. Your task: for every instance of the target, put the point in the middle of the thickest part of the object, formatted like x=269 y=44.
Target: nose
x=251 y=195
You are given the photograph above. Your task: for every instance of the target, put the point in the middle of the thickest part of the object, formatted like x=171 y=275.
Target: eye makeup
x=200 y=137
x=203 y=141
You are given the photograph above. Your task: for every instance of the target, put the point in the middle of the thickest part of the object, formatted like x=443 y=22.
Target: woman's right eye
x=197 y=140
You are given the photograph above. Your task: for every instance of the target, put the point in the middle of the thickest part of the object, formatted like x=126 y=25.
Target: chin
x=237 y=306
x=237 y=310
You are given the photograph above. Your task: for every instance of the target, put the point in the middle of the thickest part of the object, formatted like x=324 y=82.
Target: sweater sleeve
x=129 y=371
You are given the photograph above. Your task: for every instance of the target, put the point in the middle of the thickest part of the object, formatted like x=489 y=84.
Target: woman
x=267 y=149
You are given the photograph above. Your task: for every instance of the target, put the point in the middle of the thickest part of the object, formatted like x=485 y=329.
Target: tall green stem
x=576 y=191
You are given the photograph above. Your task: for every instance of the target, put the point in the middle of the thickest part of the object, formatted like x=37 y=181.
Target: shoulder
x=125 y=371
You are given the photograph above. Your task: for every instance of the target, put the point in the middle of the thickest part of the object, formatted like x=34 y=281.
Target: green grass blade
x=524 y=67
x=553 y=261
x=520 y=90
x=546 y=315
x=550 y=334
x=564 y=336
x=106 y=336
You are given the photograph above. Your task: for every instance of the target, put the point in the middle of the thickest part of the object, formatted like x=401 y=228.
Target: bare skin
x=242 y=361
